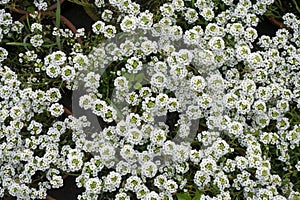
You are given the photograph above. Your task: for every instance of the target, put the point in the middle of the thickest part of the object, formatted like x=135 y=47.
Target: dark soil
x=68 y=192
x=76 y=14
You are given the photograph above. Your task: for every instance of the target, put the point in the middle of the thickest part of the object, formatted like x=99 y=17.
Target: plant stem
x=296 y=5
x=49 y=198
x=54 y=6
x=276 y=22
x=57 y=18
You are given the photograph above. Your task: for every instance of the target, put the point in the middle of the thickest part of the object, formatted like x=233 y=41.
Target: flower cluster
x=195 y=100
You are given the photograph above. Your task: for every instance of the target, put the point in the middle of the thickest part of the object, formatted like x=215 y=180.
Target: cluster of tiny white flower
x=243 y=102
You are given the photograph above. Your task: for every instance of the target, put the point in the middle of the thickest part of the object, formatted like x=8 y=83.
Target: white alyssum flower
x=98 y=27
x=37 y=40
x=56 y=109
x=129 y=23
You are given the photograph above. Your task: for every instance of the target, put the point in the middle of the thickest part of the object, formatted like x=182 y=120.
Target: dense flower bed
x=180 y=101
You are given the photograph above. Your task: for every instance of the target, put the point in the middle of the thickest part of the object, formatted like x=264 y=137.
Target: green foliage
x=88 y=7
x=183 y=196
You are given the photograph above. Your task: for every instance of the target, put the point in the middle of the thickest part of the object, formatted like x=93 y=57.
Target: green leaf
x=131 y=77
x=18 y=44
x=83 y=3
x=137 y=86
x=57 y=23
x=295 y=173
x=197 y=195
x=183 y=196
x=139 y=77
x=119 y=113
x=129 y=84
x=91 y=12
x=26 y=3
x=31 y=9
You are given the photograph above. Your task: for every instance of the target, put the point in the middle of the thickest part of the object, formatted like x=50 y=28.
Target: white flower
x=201 y=179
x=109 y=31
x=282 y=106
x=222 y=181
x=262 y=120
x=133 y=65
x=149 y=169
x=133 y=8
x=158 y=80
x=260 y=106
x=107 y=15
x=109 y=114
x=127 y=48
x=92 y=80
x=142 y=191
x=93 y=185
x=191 y=15
x=128 y=23
x=123 y=167
x=178 y=72
x=191 y=37
x=259 y=8
x=241 y=162
x=68 y=73
x=80 y=61
x=160 y=181
x=216 y=43
x=98 y=27
x=35 y=127
x=132 y=98
x=122 y=196
x=58 y=58
x=213 y=29
x=56 y=109
x=3 y=54
x=283 y=123
x=56 y=181
x=98 y=107
x=167 y=10
x=208 y=14
x=228 y=2
x=17 y=112
x=85 y=102
x=298 y=166
x=134 y=136
x=198 y=83
x=145 y=20
x=173 y=105
x=112 y=181
x=53 y=71
x=149 y=47
x=99 y=3
x=178 y=4
x=41 y=5
x=243 y=106
x=236 y=29
x=171 y=186
x=36 y=27
x=133 y=183
x=37 y=40
x=208 y=165
x=53 y=95
x=251 y=34
x=152 y=196
x=158 y=137
x=4 y=1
